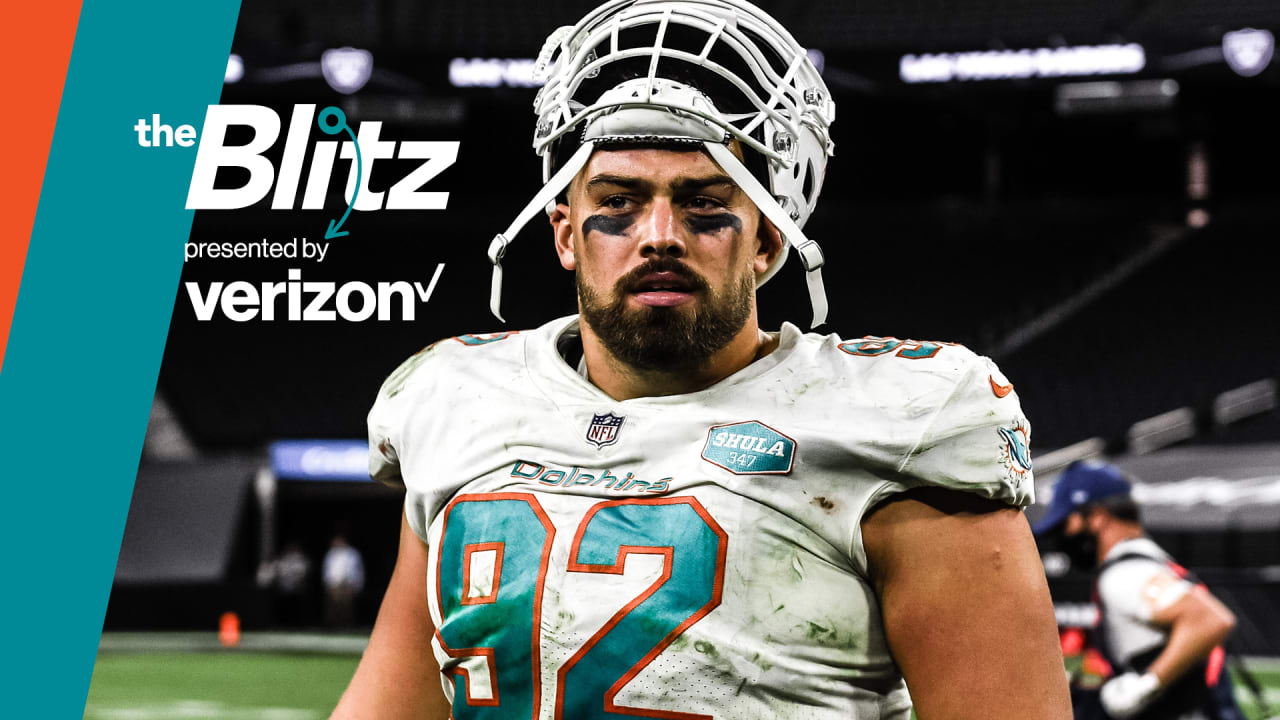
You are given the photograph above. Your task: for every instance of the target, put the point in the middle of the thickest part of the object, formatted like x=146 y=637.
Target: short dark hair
x=1121 y=507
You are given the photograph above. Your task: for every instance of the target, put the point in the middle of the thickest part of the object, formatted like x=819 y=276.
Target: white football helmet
x=697 y=72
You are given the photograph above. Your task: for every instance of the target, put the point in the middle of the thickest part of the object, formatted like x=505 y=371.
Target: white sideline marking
x=194 y=710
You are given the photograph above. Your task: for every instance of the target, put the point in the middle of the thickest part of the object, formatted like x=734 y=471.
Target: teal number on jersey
x=500 y=620
x=693 y=548
x=497 y=616
x=486 y=338
x=910 y=349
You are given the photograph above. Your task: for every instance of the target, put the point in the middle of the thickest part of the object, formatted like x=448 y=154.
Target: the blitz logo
x=214 y=153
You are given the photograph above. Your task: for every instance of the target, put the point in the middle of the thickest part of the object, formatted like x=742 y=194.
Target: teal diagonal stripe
x=89 y=328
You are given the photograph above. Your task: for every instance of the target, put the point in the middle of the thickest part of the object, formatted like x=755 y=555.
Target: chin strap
x=810 y=254
x=544 y=200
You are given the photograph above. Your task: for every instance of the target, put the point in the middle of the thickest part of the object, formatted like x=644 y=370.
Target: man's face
x=1075 y=524
x=1080 y=540
x=666 y=248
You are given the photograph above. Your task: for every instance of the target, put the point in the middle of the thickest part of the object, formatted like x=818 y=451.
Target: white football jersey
x=688 y=556
x=1132 y=591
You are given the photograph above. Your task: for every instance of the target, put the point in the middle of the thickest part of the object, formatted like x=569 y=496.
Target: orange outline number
x=503 y=626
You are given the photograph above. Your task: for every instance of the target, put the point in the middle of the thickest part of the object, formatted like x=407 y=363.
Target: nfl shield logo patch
x=604 y=429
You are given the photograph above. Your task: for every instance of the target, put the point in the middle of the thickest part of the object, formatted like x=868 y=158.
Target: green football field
x=301 y=684
x=220 y=684
x=1268 y=676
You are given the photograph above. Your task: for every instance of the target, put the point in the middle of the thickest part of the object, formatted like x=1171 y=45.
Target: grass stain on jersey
x=820 y=634
x=566 y=617
x=706 y=648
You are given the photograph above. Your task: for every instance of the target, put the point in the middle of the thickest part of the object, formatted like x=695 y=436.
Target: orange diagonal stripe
x=998 y=389
x=40 y=38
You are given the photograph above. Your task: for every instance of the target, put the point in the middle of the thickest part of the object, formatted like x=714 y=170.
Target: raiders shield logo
x=604 y=429
x=1248 y=51
x=346 y=69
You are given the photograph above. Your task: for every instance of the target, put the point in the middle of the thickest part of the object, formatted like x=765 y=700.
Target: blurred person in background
x=655 y=508
x=290 y=579
x=343 y=582
x=1159 y=628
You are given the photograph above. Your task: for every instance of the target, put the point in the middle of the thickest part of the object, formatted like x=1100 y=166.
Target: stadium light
x=235 y=70
x=518 y=72
x=1114 y=96
x=1070 y=61
x=492 y=72
x=818 y=58
x=320 y=459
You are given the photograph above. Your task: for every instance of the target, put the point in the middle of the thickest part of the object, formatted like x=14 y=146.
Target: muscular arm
x=1197 y=623
x=398 y=677
x=966 y=607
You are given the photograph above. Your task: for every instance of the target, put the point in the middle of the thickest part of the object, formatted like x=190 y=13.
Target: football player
x=654 y=508
x=1159 y=628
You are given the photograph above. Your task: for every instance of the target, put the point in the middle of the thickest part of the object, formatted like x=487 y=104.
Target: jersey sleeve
x=977 y=441
x=387 y=418
x=384 y=461
x=1139 y=588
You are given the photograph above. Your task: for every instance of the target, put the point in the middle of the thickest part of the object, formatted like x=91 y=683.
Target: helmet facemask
x=687 y=72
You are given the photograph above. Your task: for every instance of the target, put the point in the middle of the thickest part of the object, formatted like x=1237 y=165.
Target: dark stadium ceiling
x=518 y=27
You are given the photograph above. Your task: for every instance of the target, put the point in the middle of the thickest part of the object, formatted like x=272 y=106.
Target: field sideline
x=278 y=676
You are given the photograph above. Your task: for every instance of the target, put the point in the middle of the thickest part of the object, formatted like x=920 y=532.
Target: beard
x=1082 y=549
x=667 y=339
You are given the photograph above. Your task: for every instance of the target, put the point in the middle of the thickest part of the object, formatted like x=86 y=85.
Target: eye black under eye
x=714 y=223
